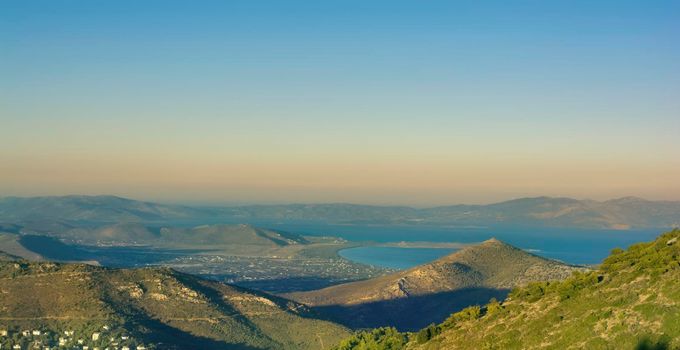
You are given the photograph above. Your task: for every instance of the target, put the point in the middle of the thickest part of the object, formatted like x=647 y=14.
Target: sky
x=381 y=102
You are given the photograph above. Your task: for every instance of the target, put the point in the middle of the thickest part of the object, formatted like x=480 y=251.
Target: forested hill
x=631 y=302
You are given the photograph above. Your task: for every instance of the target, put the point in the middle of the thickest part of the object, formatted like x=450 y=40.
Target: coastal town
x=275 y=274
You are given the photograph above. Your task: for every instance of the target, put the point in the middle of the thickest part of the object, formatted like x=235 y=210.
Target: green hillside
x=631 y=302
x=158 y=307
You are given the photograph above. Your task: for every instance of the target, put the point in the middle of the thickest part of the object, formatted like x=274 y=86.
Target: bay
x=570 y=245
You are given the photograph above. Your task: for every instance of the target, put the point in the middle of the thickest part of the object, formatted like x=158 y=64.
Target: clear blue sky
x=416 y=102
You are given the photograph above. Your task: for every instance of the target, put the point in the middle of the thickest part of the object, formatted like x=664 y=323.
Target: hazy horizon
x=227 y=203
x=398 y=102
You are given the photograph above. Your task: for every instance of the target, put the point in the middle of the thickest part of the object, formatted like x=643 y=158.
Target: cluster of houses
x=42 y=340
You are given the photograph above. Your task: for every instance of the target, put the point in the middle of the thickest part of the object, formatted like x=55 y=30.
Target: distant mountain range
x=156 y=307
x=433 y=291
x=91 y=208
x=622 y=213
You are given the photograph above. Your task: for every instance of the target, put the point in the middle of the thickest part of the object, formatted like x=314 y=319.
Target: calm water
x=394 y=257
x=576 y=246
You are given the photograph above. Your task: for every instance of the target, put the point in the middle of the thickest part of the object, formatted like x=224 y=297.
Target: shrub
x=385 y=338
x=427 y=333
x=493 y=307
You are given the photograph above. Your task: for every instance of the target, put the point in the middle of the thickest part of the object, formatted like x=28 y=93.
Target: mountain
x=632 y=301
x=622 y=213
x=91 y=208
x=204 y=235
x=134 y=244
x=470 y=276
x=333 y=212
x=231 y=234
x=158 y=307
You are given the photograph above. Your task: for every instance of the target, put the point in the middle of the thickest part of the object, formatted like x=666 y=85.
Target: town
x=274 y=274
x=103 y=338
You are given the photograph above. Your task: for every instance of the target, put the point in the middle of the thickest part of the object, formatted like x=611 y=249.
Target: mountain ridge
x=618 y=213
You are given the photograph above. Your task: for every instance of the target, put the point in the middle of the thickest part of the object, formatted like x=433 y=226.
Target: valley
x=154 y=281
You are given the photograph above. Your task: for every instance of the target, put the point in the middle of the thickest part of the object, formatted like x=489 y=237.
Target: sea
x=570 y=245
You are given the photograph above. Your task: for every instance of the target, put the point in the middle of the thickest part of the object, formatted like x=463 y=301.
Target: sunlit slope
x=155 y=306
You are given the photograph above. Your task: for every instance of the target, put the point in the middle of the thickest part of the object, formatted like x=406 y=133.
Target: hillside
x=470 y=276
x=231 y=234
x=90 y=209
x=631 y=302
x=64 y=242
x=156 y=307
x=622 y=213
x=205 y=235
